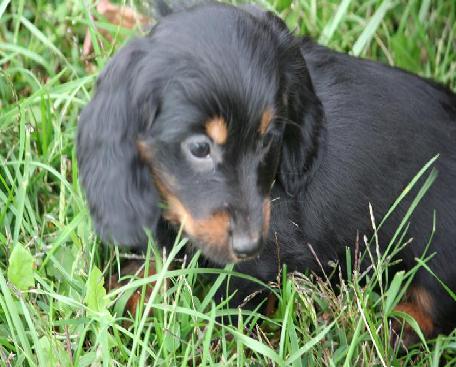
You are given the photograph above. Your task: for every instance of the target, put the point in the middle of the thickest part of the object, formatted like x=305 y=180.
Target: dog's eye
x=199 y=149
x=201 y=153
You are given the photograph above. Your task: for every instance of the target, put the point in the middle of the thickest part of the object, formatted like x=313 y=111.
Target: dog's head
x=188 y=124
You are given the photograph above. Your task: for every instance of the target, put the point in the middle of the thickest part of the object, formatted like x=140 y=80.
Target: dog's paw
x=403 y=335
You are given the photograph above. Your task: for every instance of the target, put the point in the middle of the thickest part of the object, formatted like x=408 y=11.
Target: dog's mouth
x=223 y=254
x=215 y=235
x=219 y=238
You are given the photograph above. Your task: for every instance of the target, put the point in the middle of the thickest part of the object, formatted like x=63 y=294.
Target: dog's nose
x=245 y=246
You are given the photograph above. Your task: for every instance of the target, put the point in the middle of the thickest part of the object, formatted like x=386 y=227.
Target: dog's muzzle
x=245 y=245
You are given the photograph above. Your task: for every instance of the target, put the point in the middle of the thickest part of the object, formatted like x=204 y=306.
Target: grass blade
x=371 y=27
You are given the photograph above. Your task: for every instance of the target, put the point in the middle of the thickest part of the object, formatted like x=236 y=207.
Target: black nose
x=245 y=246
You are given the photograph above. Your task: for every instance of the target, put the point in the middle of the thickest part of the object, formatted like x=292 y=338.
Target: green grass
x=66 y=318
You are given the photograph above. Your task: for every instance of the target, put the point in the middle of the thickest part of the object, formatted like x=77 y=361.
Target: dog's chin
x=220 y=255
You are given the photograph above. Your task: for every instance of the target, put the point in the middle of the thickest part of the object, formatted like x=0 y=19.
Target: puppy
x=260 y=143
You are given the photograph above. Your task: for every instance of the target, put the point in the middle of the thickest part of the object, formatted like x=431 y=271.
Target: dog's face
x=213 y=147
x=215 y=181
x=206 y=98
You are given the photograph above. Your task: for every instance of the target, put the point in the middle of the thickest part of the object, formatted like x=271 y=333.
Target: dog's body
x=382 y=126
x=220 y=104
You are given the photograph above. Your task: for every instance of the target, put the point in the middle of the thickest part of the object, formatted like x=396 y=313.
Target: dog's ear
x=304 y=112
x=304 y=129
x=119 y=189
x=304 y=132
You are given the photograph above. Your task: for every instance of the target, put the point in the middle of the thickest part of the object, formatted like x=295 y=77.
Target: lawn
x=56 y=309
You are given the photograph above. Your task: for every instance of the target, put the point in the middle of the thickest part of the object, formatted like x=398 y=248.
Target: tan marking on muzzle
x=266 y=119
x=217 y=130
x=212 y=230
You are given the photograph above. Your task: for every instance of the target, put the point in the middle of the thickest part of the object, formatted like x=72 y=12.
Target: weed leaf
x=20 y=268
x=96 y=299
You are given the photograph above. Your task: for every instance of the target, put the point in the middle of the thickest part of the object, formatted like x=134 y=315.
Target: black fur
x=346 y=132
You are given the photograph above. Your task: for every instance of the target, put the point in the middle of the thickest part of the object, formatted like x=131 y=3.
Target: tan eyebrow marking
x=217 y=130
x=266 y=119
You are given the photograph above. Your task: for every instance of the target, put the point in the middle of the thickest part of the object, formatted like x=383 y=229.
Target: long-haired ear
x=119 y=189
x=305 y=127
x=304 y=112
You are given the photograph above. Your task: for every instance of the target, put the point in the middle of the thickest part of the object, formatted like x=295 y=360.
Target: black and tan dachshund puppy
x=260 y=143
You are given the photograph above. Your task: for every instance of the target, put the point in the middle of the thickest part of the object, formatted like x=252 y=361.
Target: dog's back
x=382 y=126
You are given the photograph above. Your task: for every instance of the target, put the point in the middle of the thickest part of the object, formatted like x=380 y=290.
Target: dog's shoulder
x=338 y=70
